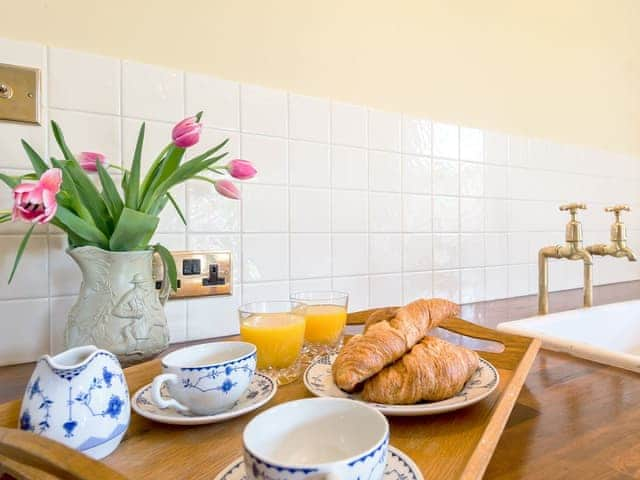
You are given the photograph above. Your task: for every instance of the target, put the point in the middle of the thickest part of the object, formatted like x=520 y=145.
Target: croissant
x=433 y=370
x=385 y=341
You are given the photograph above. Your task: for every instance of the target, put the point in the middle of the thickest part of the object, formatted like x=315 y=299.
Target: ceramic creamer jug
x=80 y=398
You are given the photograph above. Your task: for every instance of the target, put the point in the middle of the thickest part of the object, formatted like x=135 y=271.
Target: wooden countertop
x=573 y=418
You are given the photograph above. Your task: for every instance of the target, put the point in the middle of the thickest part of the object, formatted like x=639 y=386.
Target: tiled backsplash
x=386 y=206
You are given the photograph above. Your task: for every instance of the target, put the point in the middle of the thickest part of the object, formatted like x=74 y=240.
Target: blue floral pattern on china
x=259 y=392
x=85 y=407
x=398 y=467
x=319 y=380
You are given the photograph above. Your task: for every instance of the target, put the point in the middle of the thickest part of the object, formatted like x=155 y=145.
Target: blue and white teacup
x=319 y=438
x=205 y=379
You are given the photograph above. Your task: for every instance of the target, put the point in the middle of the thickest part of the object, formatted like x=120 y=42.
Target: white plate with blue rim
x=260 y=391
x=319 y=380
x=399 y=467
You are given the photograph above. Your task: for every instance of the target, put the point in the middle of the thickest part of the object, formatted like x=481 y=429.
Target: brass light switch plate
x=19 y=94
x=200 y=273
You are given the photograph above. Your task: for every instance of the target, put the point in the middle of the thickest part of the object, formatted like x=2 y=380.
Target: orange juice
x=278 y=337
x=324 y=323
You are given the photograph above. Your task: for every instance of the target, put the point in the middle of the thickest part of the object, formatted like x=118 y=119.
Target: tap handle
x=617 y=209
x=572 y=207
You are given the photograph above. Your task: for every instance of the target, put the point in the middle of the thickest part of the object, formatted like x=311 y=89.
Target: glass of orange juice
x=276 y=328
x=325 y=318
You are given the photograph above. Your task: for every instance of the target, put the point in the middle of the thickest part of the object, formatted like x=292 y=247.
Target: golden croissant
x=433 y=370
x=387 y=337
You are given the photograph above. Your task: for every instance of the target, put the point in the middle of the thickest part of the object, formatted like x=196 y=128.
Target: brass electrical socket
x=19 y=94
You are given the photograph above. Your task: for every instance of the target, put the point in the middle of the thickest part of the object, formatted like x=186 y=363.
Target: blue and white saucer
x=260 y=391
x=399 y=467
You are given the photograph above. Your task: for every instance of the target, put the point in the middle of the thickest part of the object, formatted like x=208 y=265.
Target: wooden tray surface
x=448 y=446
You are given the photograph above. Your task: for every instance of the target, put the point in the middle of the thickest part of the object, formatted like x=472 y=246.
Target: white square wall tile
x=471 y=214
x=211 y=317
x=83 y=81
x=416 y=174
x=87 y=132
x=348 y=124
x=416 y=285
x=31 y=279
x=519 y=248
x=309 y=118
x=152 y=92
x=496 y=249
x=384 y=130
x=472 y=250
x=417 y=252
x=385 y=212
x=12 y=154
x=495 y=181
x=265 y=257
x=416 y=135
x=257 y=292
x=471 y=144
x=445 y=140
x=358 y=290
x=263 y=110
x=416 y=213
x=269 y=156
x=496 y=279
x=446 y=284
x=385 y=290
x=310 y=255
x=172 y=241
x=310 y=210
x=349 y=211
x=471 y=179
x=309 y=164
x=445 y=175
x=518 y=280
x=59 y=312
x=310 y=285
x=385 y=253
x=157 y=135
x=472 y=285
x=219 y=100
x=211 y=137
x=496 y=148
x=350 y=254
x=265 y=208
x=446 y=214
x=24 y=338
x=518 y=151
x=64 y=274
x=210 y=212
x=176 y=312
x=349 y=168
x=385 y=171
x=446 y=251
x=496 y=215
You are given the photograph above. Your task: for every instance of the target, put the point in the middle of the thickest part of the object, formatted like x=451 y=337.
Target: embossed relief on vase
x=118 y=307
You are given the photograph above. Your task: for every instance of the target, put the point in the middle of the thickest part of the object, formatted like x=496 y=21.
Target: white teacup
x=206 y=379
x=331 y=438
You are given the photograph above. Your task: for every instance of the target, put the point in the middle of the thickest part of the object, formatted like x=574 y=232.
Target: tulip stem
x=119 y=168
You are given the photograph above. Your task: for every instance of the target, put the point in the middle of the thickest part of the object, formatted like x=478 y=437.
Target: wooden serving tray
x=455 y=445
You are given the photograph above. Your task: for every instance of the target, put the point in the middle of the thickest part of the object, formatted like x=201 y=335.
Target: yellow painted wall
x=562 y=69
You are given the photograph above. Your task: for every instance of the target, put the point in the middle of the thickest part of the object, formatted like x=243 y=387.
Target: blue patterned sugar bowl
x=79 y=398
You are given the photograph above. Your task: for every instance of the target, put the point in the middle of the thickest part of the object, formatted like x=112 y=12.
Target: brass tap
x=618 y=247
x=571 y=250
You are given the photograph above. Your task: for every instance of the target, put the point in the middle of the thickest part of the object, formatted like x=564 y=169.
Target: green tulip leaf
x=71 y=223
x=169 y=264
x=133 y=231
x=21 y=248
x=39 y=165
x=110 y=193
x=133 y=187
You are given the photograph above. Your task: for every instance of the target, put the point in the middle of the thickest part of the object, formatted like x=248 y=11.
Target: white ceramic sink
x=608 y=334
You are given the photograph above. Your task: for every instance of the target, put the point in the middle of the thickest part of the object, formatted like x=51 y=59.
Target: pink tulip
x=241 y=169
x=36 y=202
x=226 y=188
x=89 y=161
x=186 y=133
